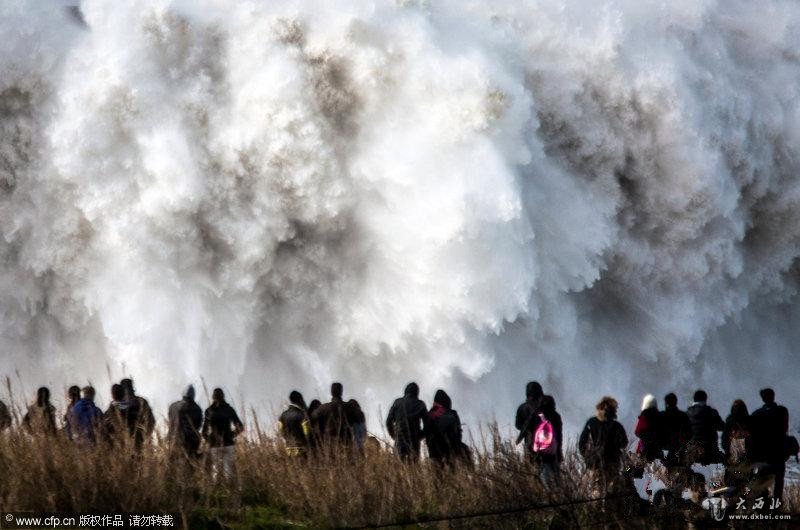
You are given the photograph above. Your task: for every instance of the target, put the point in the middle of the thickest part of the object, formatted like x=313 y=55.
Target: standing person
x=5 y=417
x=527 y=418
x=405 y=423
x=734 y=446
x=767 y=441
x=334 y=420
x=359 y=424
x=140 y=408
x=735 y=433
x=295 y=425
x=649 y=430
x=73 y=396
x=86 y=418
x=602 y=444
x=704 y=422
x=41 y=415
x=675 y=431
x=443 y=433
x=120 y=419
x=316 y=436
x=185 y=421
x=220 y=429
x=548 y=440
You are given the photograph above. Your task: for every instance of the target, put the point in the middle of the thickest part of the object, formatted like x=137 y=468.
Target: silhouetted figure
x=359 y=424
x=316 y=436
x=738 y=471
x=443 y=431
x=548 y=440
x=73 y=396
x=602 y=444
x=295 y=426
x=406 y=421
x=734 y=436
x=120 y=418
x=41 y=415
x=86 y=418
x=221 y=426
x=675 y=431
x=145 y=421
x=767 y=441
x=527 y=418
x=704 y=422
x=185 y=421
x=649 y=430
x=5 y=417
x=334 y=420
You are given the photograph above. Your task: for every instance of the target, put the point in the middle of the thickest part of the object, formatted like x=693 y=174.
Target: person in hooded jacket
x=86 y=418
x=649 y=430
x=406 y=421
x=602 y=444
x=443 y=434
x=5 y=417
x=675 y=431
x=704 y=422
x=41 y=415
x=768 y=438
x=185 y=419
x=527 y=418
x=73 y=396
x=295 y=425
x=145 y=420
x=334 y=421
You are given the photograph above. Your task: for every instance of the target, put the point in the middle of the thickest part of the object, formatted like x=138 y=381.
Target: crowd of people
x=675 y=438
x=678 y=439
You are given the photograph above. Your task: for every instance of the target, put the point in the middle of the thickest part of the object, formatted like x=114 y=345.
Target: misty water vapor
x=603 y=196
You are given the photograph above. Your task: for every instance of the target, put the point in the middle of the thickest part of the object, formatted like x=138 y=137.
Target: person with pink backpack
x=547 y=441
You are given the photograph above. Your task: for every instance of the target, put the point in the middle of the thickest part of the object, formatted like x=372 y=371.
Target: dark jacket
x=145 y=420
x=333 y=421
x=649 y=430
x=602 y=442
x=40 y=418
x=527 y=417
x=85 y=420
x=558 y=432
x=133 y=415
x=675 y=429
x=120 y=420
x=704 y=422
x=5 y=417
x=294 y=426
x=736 y=432
x=406 y=421
x=767 y=439
x=443 y=435
x=221 y=424
x=185 y=421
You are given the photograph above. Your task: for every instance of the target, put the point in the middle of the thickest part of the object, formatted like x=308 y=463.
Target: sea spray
x=602 y=196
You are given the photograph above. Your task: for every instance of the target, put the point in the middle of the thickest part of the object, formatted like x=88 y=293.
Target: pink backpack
x=544 y=439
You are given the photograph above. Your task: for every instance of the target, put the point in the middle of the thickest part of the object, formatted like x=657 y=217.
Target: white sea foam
x=603 y=196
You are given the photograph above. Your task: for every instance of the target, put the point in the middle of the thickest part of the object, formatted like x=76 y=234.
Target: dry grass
x=46 y=473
